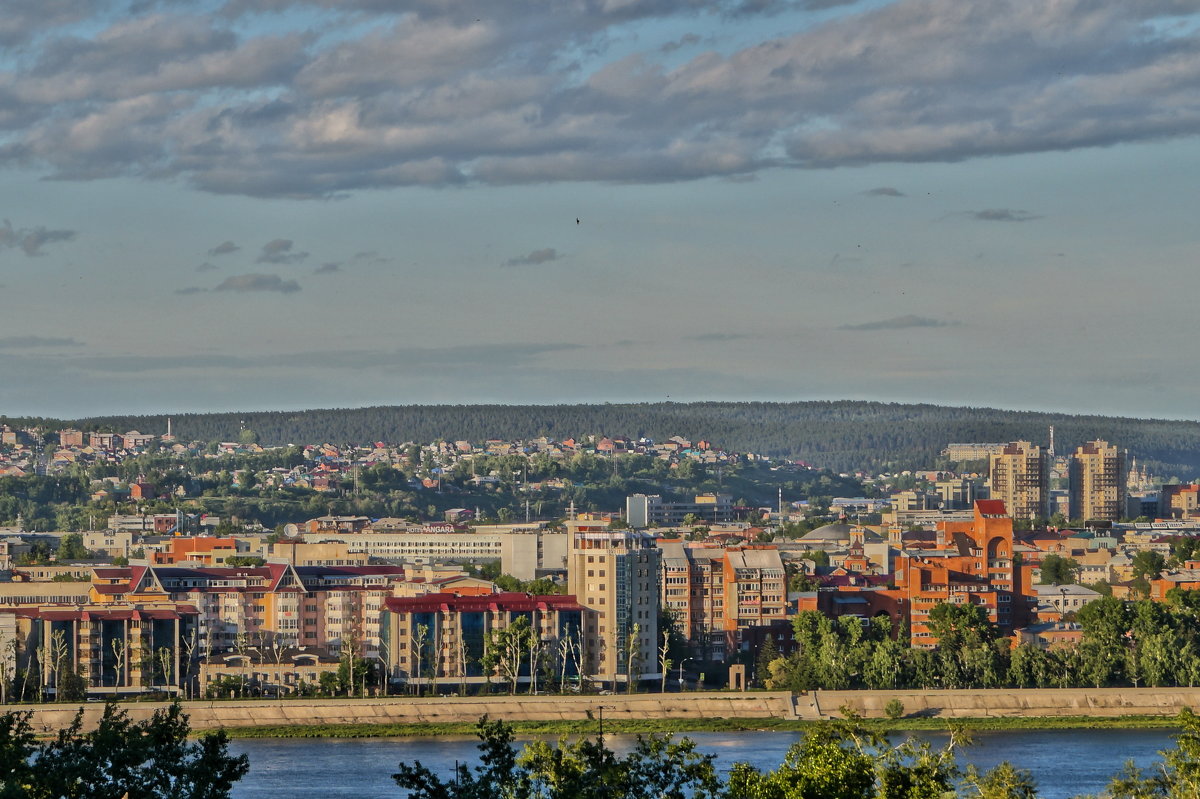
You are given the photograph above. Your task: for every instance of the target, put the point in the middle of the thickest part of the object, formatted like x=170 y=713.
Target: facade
x=1098 y=481
x=649 y=510
x=1020 y=479
x=443 y=637
x=616 y=573
x=128 y=646
x=1179 y=501
x=970 y=452
x=970 y=562
x=267 y=671
x=521 y=553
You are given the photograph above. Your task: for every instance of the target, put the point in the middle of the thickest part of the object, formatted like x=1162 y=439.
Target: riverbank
x=698 y=711
x=685 y=726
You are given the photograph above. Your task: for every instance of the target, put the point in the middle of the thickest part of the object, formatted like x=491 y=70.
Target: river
x=1066 y=763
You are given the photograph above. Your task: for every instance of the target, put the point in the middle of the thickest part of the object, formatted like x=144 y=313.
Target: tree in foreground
x=658 y=767
x=834 y=760
x=150 y=759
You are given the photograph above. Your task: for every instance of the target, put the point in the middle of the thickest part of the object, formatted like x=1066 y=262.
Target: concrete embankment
x=401 y=710
x=1008 y=703
x=1105 y=702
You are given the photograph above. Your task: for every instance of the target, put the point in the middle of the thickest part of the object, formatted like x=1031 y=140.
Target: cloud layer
x=258 y=282
x=543 y=256
x=31 y=240
x=905 y=322
x=511 y=91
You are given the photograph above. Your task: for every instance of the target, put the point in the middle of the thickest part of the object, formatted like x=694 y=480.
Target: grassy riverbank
x=630 y=726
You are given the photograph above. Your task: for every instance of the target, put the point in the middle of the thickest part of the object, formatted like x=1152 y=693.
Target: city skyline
x=241 y=206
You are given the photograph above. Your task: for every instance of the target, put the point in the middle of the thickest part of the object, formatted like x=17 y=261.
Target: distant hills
x=841 y=435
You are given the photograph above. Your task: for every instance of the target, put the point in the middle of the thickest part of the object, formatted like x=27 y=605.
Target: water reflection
x=1066 y=763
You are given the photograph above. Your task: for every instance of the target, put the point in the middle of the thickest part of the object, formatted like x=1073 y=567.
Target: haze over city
x=237 y=205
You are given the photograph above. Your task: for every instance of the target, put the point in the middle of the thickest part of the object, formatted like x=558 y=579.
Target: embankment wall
x=1104 y=702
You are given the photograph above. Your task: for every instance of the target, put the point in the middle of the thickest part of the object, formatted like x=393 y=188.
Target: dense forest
x=842 y=435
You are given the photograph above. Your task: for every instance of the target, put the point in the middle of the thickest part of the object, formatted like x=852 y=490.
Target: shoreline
x=683 y=726
x=989 y=709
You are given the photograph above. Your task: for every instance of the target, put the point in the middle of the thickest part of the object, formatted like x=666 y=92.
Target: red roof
x=511 y=602
x=991 y=507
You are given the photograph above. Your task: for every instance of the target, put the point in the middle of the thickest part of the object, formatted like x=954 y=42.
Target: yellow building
x=1097 y=482
x=1021 y=480
x=616 y=573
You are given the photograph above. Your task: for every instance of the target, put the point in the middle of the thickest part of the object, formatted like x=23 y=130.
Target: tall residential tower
x=1020 y=478
x=1097 y=482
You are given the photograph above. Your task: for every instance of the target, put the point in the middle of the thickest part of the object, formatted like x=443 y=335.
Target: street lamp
x=685 y=660
x=601 y=709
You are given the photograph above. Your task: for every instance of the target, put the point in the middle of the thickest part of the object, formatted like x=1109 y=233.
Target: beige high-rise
x=1021 y=480
x=616 y=573
x=1097 y=482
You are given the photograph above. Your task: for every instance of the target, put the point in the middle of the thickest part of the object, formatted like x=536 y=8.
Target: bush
x=894 y=709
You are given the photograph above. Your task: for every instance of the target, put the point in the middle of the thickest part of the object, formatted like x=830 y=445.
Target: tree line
x=1142 y=643
x=841 y=435
x=833 y=760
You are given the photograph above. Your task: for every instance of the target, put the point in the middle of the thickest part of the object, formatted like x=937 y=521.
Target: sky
x=268 y=204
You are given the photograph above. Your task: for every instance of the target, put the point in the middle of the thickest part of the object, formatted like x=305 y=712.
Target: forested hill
x=840 y=435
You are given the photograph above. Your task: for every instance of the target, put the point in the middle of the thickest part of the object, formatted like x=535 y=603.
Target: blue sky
x=277 y=204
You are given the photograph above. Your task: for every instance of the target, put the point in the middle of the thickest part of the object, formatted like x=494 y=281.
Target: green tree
x=151 y=759
x=1005 y=781
x=1057 y=570
x=657 y=767
x=71 y=548
x=1148 y=564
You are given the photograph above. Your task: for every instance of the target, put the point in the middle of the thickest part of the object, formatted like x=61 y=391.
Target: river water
x=1066 y=763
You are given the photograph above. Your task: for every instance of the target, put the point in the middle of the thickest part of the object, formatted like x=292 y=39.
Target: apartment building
x=693 y=590
x=969 y=562
x=522 y=553
x=1179 y=501
x=616 y=573
x=1098 y=482
x=1021 y=480
x=445 y=637
x=650 y=510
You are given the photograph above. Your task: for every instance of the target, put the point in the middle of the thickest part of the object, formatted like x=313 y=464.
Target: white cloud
x=498 y=92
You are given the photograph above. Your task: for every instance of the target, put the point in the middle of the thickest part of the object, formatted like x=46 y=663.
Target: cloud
x=279 y=251
x=206 y=267
x=713 y=337
x=491 y=357
x=885 y=191
x=189 y=290
x=1003 y=215
x=224 y=248
x=476 y=92
x=905 y=322
x=687 y=40
x=31 y=240
x=243 y=283
x=543 y=256
x=29 y=342
x=327 y=269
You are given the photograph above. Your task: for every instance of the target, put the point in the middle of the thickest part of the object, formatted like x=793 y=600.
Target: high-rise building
x=616 y=573
x=1179 y=501
x=1097 y=482
x=1021 y=480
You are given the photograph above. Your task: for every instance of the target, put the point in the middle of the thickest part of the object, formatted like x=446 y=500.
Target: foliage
x=1123 y=643
x=584 y=769
x=150 y=759
x=842 y=435
x=244 y=560
x=1057 y=570
x=894 y=709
